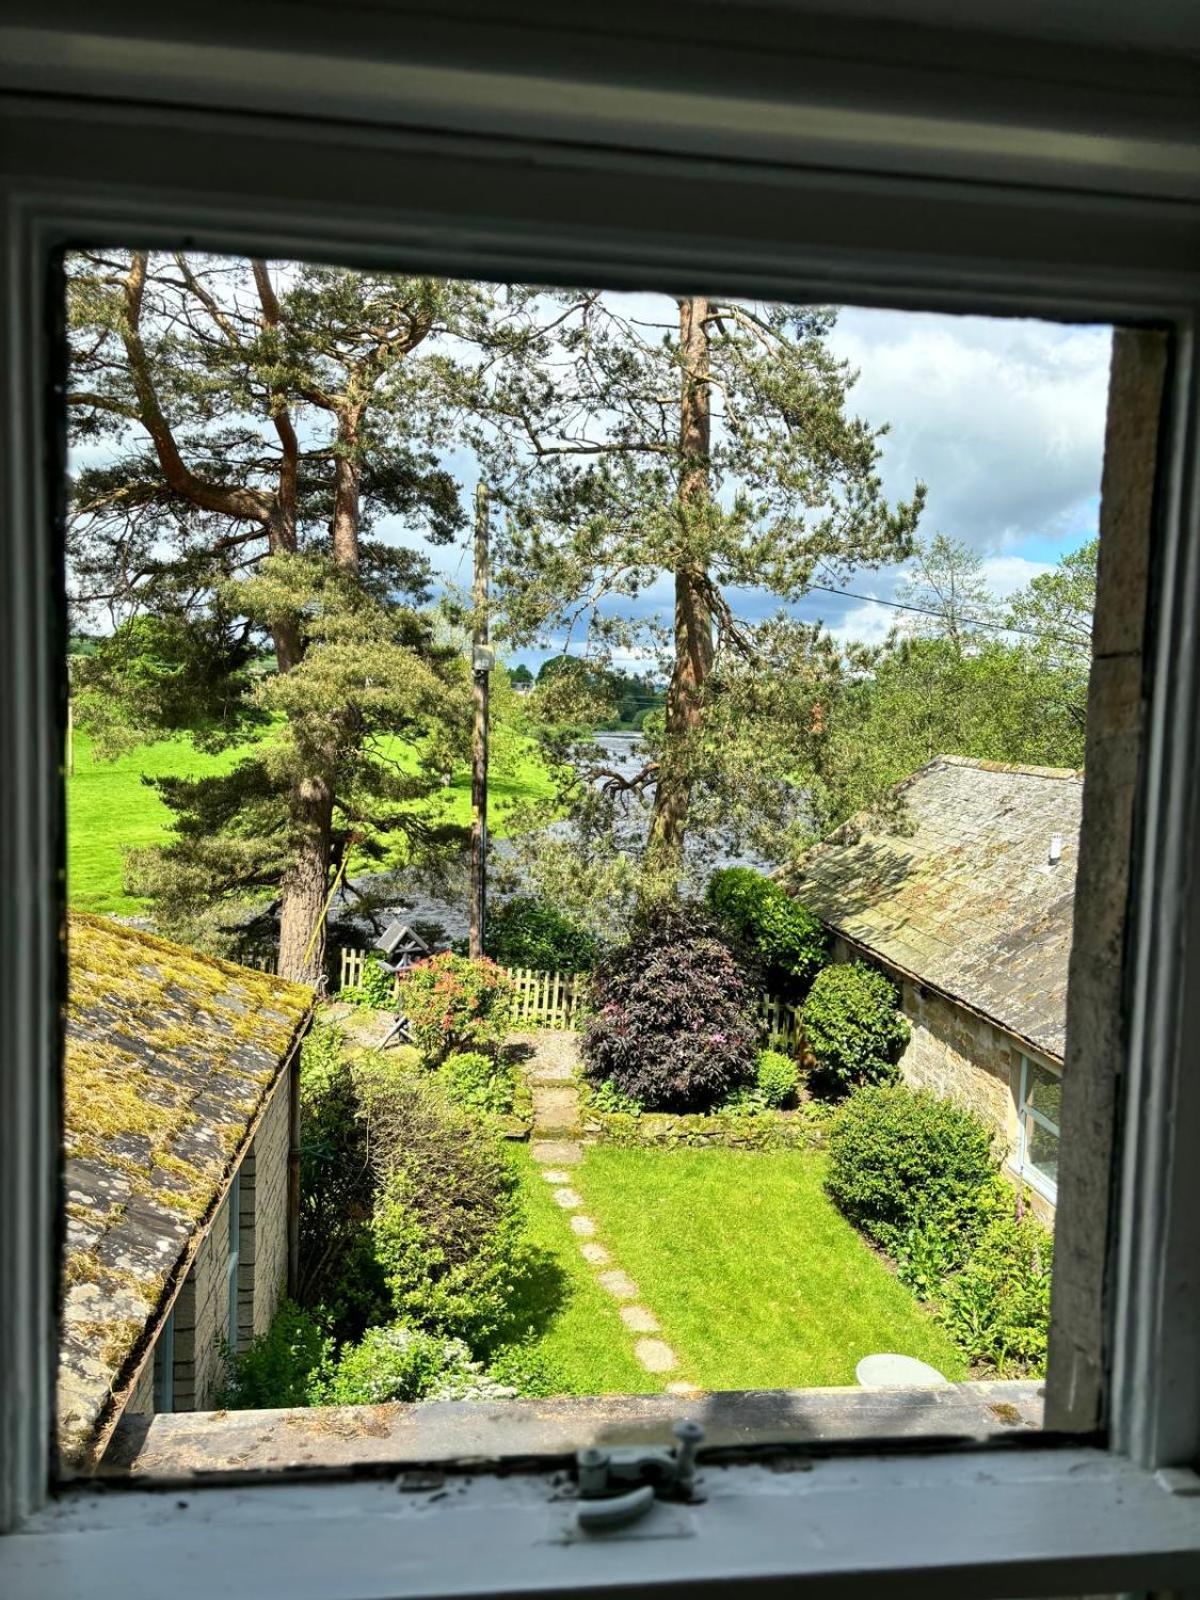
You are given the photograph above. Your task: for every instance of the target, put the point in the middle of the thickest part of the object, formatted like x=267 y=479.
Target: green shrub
x=770 y=930
x=375 y=989
x=336 y=1190
x=527 y=1372
x=478 y=1083
x=398 y=1363
x=611 y=1102
x=997 y=1308
x=778 y=1078
x=446 y=1226
x=281 y=1367
x=674 y=1023
x=901 y=1160
x=526 y=932
x=455 y=1004
x=852 y=1027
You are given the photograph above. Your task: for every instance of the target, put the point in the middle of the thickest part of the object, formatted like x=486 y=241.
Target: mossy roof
x=961 y=893
x=169 y=1057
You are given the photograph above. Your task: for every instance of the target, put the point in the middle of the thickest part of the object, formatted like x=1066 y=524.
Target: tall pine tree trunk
x=302 y=933
x=302 y=907
x=693 y=614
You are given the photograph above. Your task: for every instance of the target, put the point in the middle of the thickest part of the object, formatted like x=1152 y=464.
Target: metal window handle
x=604 y=1499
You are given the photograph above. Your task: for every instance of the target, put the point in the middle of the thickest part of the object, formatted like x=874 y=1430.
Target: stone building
x=965 y=900
x=179 y=1116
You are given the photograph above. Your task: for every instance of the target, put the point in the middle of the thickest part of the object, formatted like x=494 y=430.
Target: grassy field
x=110 y=808
x=757 y=1280
x=575 y=1323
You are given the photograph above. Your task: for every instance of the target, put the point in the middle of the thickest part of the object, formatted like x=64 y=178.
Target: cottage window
x=1038 y=1113
x=884 y=163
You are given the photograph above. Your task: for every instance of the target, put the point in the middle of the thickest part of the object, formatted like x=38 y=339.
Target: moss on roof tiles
x=169 y=1055
x=963 y=896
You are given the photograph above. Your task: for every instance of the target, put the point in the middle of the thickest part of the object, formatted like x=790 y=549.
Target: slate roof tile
x=169 y=1055
x=963 y=896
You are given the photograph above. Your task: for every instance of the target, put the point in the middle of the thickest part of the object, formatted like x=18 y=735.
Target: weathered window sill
x=186 y=1444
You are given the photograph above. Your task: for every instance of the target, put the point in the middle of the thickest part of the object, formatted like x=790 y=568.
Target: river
x=622 y=753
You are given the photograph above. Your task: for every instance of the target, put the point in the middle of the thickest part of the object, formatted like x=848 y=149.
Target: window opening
x=518 y=687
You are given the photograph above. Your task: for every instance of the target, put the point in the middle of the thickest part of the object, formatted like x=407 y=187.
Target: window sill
x=1010 y=1522
x=187 y=1444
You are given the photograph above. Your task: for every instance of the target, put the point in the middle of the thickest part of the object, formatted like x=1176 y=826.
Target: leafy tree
x=521 y=674
x=1057 y=608
x=716 y=450
x=946 y=587
x=248 y=427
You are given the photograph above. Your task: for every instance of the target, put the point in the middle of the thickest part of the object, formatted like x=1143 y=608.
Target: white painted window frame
x=1025 y=1167
x=763 y=167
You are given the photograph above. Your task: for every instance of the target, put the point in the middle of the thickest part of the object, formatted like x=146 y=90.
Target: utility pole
x=481 y=665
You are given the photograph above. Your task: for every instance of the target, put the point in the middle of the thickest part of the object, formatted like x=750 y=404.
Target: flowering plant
x=454 y=1004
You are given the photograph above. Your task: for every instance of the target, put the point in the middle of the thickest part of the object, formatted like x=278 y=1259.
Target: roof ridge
x=1022 y=769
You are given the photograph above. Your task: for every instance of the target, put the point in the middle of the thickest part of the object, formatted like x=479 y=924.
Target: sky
x=1002 y=419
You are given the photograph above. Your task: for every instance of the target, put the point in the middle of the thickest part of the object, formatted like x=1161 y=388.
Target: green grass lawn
x=109 y=808
x=757 y=1280
x=575 y=1323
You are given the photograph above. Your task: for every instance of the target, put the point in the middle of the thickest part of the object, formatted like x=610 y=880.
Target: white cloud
x=1004 y=420
x=1007 y=574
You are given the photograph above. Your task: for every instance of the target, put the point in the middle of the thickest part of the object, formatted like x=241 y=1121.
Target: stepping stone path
x=552 y=1069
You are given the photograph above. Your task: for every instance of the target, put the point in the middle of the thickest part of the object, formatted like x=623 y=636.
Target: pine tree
x=242 y=428
x=716 y=450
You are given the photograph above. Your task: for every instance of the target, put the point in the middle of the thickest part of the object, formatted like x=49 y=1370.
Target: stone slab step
x=557 y=1152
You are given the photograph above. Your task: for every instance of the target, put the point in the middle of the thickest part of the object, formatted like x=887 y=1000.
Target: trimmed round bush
x=769 y=929
x=674 y=1024
x=853 y=1028
x=455 y=1004
x=901 y=1160
x=527 y=932
x=778 y=1078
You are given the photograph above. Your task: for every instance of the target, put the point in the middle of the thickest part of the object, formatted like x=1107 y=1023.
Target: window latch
x=617 y=1487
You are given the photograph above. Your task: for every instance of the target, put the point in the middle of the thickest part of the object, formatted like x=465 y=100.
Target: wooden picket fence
x=350 y=970
x=549 y=999
x=559 y=999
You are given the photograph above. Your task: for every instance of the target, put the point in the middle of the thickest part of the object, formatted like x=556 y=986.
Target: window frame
x=1026 y=1168
x=1104 y=233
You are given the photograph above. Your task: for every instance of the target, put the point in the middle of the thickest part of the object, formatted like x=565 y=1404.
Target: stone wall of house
x=141 y=1401
x=958 y=1056
x=202 y=1319
x=263 y=1249
x=202 y=1308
